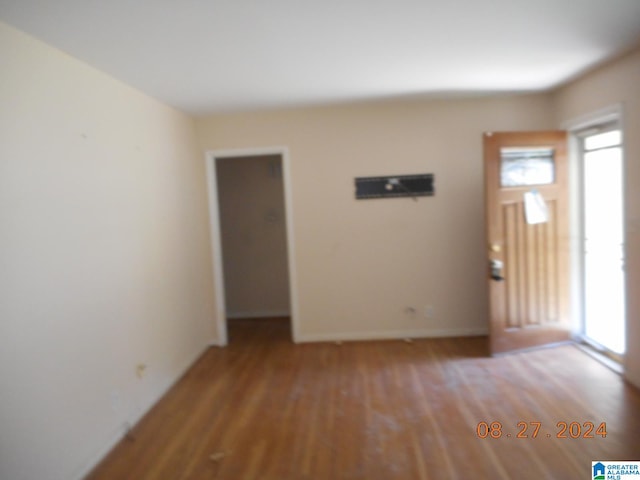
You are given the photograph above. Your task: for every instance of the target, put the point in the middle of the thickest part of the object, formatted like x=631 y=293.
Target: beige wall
x=617 y=83
x=359 y=264
x=104 y=258
x=254 y=237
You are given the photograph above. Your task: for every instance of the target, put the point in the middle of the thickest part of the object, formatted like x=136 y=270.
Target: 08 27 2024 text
x=533 y=429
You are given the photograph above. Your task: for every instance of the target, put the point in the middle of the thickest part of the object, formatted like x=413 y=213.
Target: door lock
x=496 y=270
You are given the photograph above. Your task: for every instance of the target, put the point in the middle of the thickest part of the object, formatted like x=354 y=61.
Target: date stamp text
x=523 y=429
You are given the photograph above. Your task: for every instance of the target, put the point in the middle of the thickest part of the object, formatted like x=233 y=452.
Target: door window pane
x=524 y=166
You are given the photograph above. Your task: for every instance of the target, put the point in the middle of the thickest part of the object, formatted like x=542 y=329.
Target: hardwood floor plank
x=266 y=409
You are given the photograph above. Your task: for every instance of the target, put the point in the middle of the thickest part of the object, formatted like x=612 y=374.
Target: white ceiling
x=205 y=56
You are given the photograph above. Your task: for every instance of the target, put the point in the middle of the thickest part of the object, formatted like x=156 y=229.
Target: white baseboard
x=92 y=462
x=259 y=314
x=116 y=436
x=217 y=343
x=391 y=335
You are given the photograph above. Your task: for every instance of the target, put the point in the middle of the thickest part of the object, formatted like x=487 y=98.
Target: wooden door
x=527 y=225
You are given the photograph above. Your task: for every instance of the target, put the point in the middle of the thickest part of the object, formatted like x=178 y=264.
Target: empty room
x=302 y=240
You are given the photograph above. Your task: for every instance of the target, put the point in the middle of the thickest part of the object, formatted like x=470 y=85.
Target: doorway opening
x=603 y=282
x=250 y=208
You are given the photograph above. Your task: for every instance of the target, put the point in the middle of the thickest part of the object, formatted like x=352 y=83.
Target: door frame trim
x=611 y=114
x=216 y=239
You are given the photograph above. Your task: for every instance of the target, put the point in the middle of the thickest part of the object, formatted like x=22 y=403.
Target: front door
x=527 y=225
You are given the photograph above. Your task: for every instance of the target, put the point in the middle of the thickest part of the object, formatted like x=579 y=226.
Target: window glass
x=603 y=140
x=524 y=166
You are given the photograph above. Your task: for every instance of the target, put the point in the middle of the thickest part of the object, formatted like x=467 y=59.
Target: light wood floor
x=264 y=408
